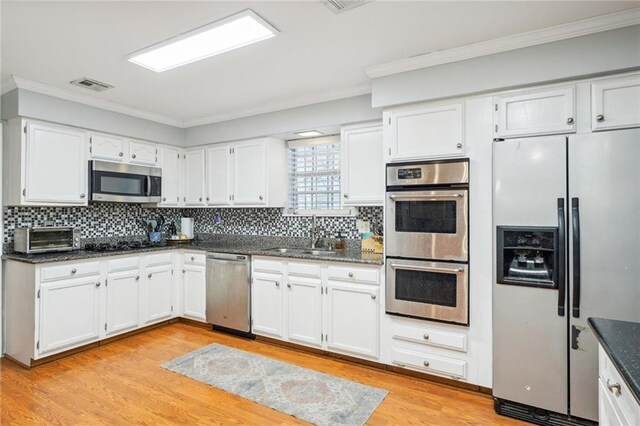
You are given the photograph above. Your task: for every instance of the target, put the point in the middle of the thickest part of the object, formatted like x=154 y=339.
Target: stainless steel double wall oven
x=427 y=240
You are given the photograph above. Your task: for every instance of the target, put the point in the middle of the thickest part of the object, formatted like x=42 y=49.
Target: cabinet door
x=123 y=301
x=145 y=153
x=539 y=112
x=607 y=413
x=195 y=177
x=219 y=175
x=615 y=104
x=56 y=165
x=429 y=132
x=352 y=319
x=267 y=306
x=107 y=147
x=171 y=164
x=194 y=294
x=304 y=306
x=69 y=314
x=249 y=171
x=362 y=166
x=159 y=293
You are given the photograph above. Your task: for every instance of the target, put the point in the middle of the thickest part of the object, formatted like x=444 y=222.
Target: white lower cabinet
x=616 y=404
x=69 y=314
x=267 y=307
x=158 y=293
x=194 y=292
x=123 y=302
x=299 y=302
x=304 y=309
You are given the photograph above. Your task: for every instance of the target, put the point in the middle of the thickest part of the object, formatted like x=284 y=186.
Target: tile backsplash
x=119 y=220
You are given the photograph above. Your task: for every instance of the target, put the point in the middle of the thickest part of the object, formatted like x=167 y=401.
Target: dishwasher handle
x=227 y=257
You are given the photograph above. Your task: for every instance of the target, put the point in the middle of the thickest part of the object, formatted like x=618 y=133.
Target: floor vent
x=537 y=415
x=87 y=83
x=339 y=6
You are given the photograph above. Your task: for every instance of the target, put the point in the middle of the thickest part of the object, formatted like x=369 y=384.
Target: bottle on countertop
x=340 y=242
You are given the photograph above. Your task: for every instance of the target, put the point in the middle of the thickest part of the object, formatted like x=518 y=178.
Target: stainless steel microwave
x=44 y=239
x=124 y=183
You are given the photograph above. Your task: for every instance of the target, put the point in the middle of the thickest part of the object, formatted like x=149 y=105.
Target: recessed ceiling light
x=310 y=134
x=230 y=33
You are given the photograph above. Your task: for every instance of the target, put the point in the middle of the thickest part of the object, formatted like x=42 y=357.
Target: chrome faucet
x=315 y=232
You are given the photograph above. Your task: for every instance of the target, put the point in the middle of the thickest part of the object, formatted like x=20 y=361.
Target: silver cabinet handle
x=261 y=198
x=200 y=198
x=207 y=198
x=599 y=118
x=346 y=195
x=425 y=337
x=426 y=268
x=120 y=154
x=425 y=197
x=164 y=198
x=193 y=258
x=74 y=270
x=289 y=285
x=613 y=388
x=149 y=276
x=133 y=156
x=426 y=363
x=277 y=284
x=184 y=271
x=98 y=284
x=458 y=145
x=570 y=120
x=350 y=274
x=137 y=277
x=82 y=195
x=373 y=296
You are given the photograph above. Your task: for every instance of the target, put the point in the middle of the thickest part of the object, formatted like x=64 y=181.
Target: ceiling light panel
x=310 y=134
x=218 y=37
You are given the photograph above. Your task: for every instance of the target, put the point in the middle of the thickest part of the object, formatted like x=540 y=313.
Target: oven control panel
x=413 y=173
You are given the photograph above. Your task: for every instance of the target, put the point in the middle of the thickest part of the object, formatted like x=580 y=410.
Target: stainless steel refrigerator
x=566 y=213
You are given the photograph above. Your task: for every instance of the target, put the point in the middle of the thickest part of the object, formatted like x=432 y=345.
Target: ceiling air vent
x=95 y=85
x=339 y=6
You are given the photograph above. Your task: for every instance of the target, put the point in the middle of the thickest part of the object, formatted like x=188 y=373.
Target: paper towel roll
x=186 y=226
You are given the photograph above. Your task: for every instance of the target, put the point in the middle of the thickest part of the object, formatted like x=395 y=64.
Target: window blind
x=314 y=174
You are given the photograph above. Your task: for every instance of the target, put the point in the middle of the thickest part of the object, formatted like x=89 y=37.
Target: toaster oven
x=44 y=239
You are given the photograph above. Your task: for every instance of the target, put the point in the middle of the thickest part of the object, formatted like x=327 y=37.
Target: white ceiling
x=317 y=56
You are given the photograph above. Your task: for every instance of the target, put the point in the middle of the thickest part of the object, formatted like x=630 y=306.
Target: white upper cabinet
x=171 y=162
x=249 y=167
x=615 y=103
x=55 y=166
x=423 y=132
x=195 y=174
x=219 y=175
x=145 y=153
x=535 y=112
x=108 y=147
x=362 y=165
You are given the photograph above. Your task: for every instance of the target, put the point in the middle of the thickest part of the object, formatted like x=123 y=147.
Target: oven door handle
x=426 y=268
x=426 y=197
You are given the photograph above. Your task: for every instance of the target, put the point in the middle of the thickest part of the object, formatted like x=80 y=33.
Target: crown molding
x=300 y=101
x=587 y=26
x=14 y=82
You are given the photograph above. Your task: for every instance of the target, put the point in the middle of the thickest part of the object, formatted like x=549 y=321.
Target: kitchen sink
x=317 y=252
x=281 y=249
x=314 y=252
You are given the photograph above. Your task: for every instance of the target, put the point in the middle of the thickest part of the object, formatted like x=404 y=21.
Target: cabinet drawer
x=430 y=363
x=304 y=269
x=623 y=399
x=195 y=258
x=75 y=270
x=123 y=264
x=353 y=273
x=159 y=259
x=264 y=265
x=430 y=336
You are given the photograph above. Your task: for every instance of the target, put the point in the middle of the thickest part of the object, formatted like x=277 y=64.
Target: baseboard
x=194 y=323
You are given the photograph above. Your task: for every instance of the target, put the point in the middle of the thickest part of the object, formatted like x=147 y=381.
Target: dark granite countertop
x=254 y=248
x=621 y=341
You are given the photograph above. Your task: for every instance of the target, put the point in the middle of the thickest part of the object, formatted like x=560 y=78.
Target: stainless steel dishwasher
x=228 y=292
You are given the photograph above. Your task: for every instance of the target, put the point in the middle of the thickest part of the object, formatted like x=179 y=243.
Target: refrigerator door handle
x=575 y=220
x=562 y=232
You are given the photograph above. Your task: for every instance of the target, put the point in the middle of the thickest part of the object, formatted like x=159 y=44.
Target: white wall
x=570 y=59
x=332 y=113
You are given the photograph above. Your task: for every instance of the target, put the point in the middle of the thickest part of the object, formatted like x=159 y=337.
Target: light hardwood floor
x=123 y=383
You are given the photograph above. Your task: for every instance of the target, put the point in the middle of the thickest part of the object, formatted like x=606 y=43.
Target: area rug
x=306 y=394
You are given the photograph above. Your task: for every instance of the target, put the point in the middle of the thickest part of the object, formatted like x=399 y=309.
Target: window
x=314 y=176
